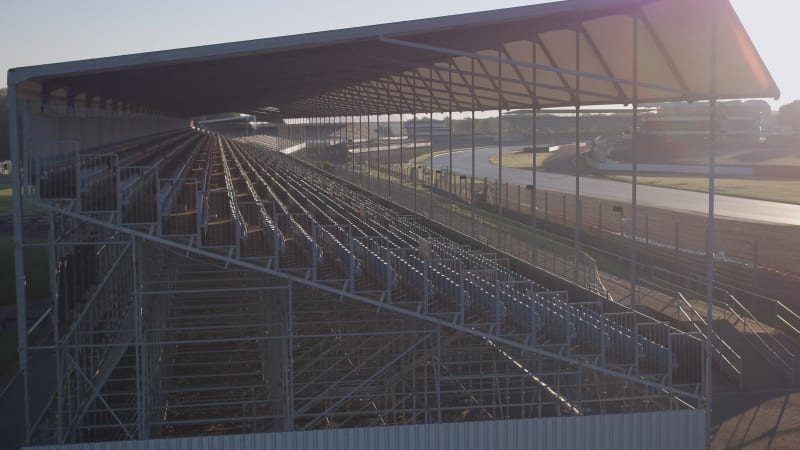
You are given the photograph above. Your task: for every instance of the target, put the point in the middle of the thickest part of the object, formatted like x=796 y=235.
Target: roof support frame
x=358 y=95
x=488 y=76
x=561 y=77
x=575 y=73
x=385 y=92
x=393 y=82
x=448 y=92
x=376 y=90
x=521 y=79
x=335 y=60
x=603 y=63
x=496 y=85
x=467 y=85
x=429 y=85
x=372 y=92
x=663 y=50
x=448 y=83
x=410 y=85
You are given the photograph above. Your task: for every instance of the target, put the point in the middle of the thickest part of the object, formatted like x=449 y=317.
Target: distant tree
x=789 y=115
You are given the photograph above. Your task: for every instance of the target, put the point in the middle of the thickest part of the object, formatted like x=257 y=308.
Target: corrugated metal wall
x=679 y=430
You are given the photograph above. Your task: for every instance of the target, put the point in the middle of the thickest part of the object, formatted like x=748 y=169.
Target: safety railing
x=764 y=339
x=726 y=358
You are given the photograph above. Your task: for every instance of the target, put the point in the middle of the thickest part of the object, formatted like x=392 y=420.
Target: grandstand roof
x=507 y=58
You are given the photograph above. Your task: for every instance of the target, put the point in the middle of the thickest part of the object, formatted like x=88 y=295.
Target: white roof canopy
x=573 y=52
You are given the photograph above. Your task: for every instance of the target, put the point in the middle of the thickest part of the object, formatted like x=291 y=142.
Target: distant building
x=427 y=127
x=738 y=124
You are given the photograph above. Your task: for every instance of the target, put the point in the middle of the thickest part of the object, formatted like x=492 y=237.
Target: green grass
x=776 y=190
x=37 y=282
x=784 y=191
x=5 y=201
x=5 y=198
x=519 y=160
x=426 y=156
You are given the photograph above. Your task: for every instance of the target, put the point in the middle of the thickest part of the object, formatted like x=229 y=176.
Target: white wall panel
x=678 y=430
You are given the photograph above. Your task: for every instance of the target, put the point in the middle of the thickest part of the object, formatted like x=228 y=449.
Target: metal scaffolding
x=218 y=287
x=212 y=281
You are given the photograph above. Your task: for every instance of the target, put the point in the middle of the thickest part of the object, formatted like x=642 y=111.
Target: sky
x=45 y=31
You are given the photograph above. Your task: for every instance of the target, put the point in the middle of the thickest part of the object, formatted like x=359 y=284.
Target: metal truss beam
x=364 y=299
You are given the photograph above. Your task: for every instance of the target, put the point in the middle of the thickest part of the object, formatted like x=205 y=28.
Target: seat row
x=388 y=248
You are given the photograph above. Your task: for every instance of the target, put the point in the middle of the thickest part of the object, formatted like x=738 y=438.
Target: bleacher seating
x=267 y=207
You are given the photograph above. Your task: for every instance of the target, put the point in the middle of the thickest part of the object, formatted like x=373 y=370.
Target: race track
x=617 y=191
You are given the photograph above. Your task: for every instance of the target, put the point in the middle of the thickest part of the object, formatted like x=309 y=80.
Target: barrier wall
x=679 y=430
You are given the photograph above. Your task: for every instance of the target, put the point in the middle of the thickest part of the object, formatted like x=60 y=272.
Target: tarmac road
x=617 y=191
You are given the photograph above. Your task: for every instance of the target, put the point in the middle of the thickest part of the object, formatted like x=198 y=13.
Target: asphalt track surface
x=616 y=191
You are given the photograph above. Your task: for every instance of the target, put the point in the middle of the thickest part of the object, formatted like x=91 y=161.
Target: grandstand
x=214 y=288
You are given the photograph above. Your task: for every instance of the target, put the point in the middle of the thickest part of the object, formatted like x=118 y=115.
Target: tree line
x=789 y=114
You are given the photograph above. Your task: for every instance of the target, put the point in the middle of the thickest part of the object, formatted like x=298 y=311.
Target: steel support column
x=369 y=162
x=19 y=263
x=576 y=269
x=55 y=316
x=430 y=160
x=499 y=194
x=472 y=177
x=378 y=172
x=140 y=347
x=710 y=235
x=534 y=135
x=635 y=164
x=402 y=162
x=416 y=169
x=388 y=156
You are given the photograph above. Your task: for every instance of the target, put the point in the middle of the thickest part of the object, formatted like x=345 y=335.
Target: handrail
x=736 y=365
x=788 y=325
x=39 y=321
x=168 y=196
x=791 y=320
x=791 y=313
x=265 y=218
x=238 y=218
x=789 y=365
x=294 y=226
x=760 y=325
x=691 y=308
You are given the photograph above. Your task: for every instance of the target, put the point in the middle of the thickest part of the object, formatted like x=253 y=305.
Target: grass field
x=421 y=158
x=37 y=283
x=5 y=201
x=519 y=160
x=776 y=190
x=5 y=198
x=784 y=191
